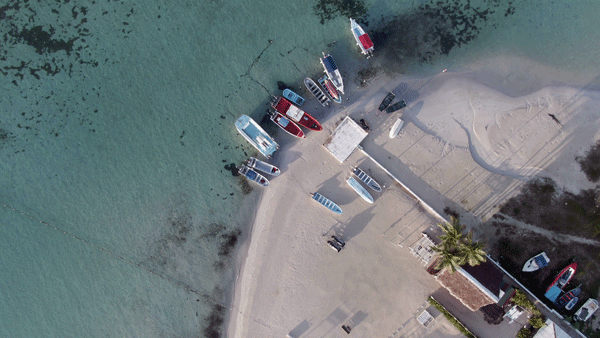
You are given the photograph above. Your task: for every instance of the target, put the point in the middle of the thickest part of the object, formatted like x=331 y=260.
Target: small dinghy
x=567 y=298
x=295 y=98
x=287 y=125
x=263 y=166
x=330 y=89
x=360 y=190
x=316 y=91
x=386 y=101
x=336 y=243
x=586 y=311
x=254 y=176
x=536 y=262
x=396 y=128
x=327 y=203
x=396 y=106
x=363 y=176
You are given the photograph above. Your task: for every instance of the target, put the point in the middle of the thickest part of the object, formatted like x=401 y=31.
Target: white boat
x=368 y=180
x=360 y=190
x=332 y=72
x=263 y=166
x=316 y=91
x=586 y=311
x=327 y=203
x=536 y=262
x=396 y=128
x=254 y=134
x=362 y=39
x=254 y=176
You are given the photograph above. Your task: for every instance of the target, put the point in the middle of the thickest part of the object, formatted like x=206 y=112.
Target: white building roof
x=551 y=330
x=344 y=139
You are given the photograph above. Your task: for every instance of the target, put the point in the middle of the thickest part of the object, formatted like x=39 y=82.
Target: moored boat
x=327 y=203
x=586 y=310
x=368 y=180
x=287 y=125
x=396 y=106
x=359 y=189
x=561 y=280
x=297 y=115
x=314 y=89
x=254 y=176
x=330 y=89
x=386 y=101
x=254 y=134
x=332 y=72
x=396 y=128
x=536 y=262
x=263 y=166
x=362 y=39
x=567 y=298
x=295 y=98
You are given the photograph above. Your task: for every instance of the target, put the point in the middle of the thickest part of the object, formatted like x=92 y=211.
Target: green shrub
x=537 y=322
x=451 y=318
x=521 y=300
x=524 y=333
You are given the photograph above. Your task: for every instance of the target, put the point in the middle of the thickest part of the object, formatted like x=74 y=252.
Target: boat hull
x=362 y=39
x=396 y=128
x=568 y=297
x=396 y=106
x=564 y=277
x=332 y=72
x=314 y=89
x=386 y=101
x=360 y=190
x=265 y=167
x=299 y=116
x=368 y=180
x=295 y=98
x=256 y=136
x=330 y=89
x=536 y=262
x=586 y=310
x=327 y=203
x=287 y=125
x=254 y=176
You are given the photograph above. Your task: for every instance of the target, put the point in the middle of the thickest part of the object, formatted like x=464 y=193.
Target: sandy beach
x=469 y=142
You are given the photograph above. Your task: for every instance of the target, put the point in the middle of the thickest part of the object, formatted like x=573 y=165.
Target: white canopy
x=345 y=139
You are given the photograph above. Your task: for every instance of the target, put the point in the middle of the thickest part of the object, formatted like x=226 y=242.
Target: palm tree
x=457 y=249
x=452 y=236
x=471 y=252
x=447 y=259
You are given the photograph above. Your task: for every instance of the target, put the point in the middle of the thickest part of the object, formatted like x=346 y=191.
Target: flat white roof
x=344 y=139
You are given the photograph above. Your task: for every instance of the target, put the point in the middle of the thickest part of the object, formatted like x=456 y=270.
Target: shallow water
x=117 y=127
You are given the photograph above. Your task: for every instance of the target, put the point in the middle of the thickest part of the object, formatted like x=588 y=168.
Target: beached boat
x=561 y=280
x=297 y=115
x=396 y=106
x=336 y=243
x=332 y=72
x=295 y=98
x=263 y=166
x=360 y=190
x=254 y=134
x=536 y=262
x=330 y=89
x=316 y=91
x=396 y=128
x=586 y=311
x=362 y=39
x=327 y=203
x=568 y=298
x=287 y=125
x=253 y=176
x=386 y=101
x=368 y=180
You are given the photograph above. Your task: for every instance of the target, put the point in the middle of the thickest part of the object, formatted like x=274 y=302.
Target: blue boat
x=327 y=203
x=332 y=72
x=295 y=98
x=254 y=134
x=368 y=180
x=360 y=190
x=252 y=175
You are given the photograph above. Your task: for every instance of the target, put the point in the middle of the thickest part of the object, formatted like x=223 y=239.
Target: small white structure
x=551 y=330
x=514 y=313
x=345 y=139
x=423 y=248
x=426 y=319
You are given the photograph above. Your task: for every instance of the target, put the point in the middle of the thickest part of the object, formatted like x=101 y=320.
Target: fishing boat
x=263 y=166
x=360 y=190
x=396 y=128
x=330 y=89
x=287 y=125
x=297 y=115
x=536 y=262
x=332 y=72
x=396 y=106
x=254 y=176
x=368 y=180
x=316 y=91
x=362 y=39
x=561 y=280
x=254 y=134
x=386 y=101
x=290 y=95
x=327 y=203
x=568 y=298
x=586 y=311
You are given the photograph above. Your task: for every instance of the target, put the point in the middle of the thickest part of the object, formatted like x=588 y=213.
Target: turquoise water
x=117 y=127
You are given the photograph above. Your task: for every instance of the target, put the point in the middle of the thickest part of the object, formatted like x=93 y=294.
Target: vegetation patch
x=590 y=163
x=451 y=318
x=330 y=9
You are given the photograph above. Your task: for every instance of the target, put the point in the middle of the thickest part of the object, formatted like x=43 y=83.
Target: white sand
x=464 y=145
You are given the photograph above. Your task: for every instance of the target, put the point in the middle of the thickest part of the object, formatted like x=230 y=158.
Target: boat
x=332 y=72
x=316 y=91
x=586 y=311
x=362 y=39
x=396 y=106
x=327 y=203
x=290 y=95
x=330 y=89
x=254 y=134
x=386 y=101
x=567 y=298
x=284 y=106
x=561 y=280
x=360 y=190
x=536 y=262
x=396 y=128
x=336 y=243
x=368 y=180
x=287 y=125
x=263 y=166
x=254 y=176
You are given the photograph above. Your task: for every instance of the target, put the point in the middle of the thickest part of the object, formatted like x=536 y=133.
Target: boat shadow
x=356 y=225
x=335 y=189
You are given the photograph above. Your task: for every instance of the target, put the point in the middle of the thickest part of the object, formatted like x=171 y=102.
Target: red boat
x=287 y=125
x=330 y=89
x=564 y=277
x=297 y=115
